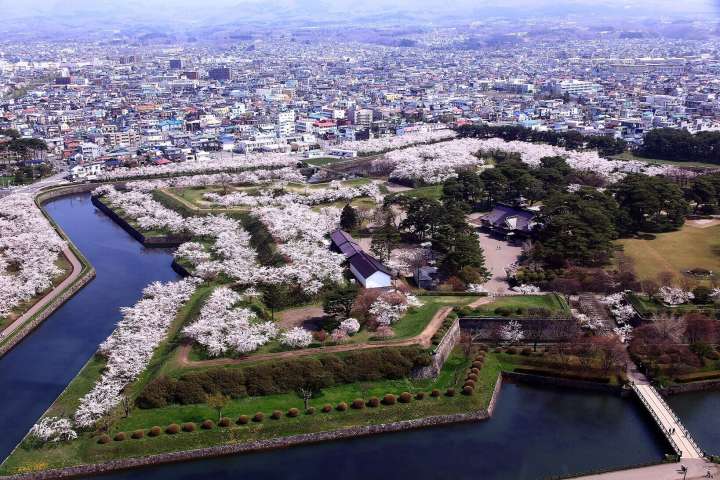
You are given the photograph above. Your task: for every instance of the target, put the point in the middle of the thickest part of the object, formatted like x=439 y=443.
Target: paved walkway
x=424 y=339
x=667 y=471
x=668 y=422
x=499 y=254
x=49 y=297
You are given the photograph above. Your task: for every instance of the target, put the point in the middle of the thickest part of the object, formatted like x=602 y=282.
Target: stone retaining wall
x=441 y=353
x=563 y=382
x=258 y=445
x=700 y=386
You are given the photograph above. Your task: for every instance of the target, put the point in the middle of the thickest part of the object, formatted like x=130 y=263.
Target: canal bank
x=496 y=448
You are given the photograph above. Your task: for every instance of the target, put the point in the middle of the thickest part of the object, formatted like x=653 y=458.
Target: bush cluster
x=283 y=376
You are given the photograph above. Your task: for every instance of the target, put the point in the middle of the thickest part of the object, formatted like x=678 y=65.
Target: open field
x=433 y=192
x=519 y=304
x=688 y=248
x=631 y=156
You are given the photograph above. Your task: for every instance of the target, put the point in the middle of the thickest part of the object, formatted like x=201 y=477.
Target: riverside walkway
x=668 y=422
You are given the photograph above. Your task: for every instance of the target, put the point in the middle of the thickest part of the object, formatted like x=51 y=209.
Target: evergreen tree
x=348 y=217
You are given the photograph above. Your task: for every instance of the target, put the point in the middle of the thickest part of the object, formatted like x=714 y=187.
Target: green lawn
x=432 y=192
x=320 y=161
x=688 y=248
x=631 y=156
x=553 y=302
x=87 y=450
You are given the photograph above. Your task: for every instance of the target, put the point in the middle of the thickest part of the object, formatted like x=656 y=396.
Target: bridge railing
x=649 y=408
x=685 y=431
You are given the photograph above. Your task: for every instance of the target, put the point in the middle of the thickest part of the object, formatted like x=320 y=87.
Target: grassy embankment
x=410 y=325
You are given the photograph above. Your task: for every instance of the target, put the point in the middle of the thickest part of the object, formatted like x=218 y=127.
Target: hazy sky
x=177 y=7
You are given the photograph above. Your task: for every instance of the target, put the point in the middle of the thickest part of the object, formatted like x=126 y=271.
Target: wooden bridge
x=676 y=433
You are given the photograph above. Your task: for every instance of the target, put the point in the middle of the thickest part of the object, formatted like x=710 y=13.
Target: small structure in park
x=368 y=270
x=508 y=221
x=427 y=277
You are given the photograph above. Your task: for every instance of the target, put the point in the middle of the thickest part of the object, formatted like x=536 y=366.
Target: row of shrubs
x=283 y=376
x=474 y=373
x=357 y=404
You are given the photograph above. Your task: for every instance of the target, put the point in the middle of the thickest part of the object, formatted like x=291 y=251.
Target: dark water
x=699 y=412
x=535 y=432
x=34 y=373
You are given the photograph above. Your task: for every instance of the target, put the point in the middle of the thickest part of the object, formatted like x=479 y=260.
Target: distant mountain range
x=72 y=18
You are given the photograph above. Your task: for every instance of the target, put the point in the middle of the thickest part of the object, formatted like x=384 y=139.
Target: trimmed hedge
x=435 y=393
x=276 y=415
x=244 y=419
x=224 y=422
x=327 y=408
x=103 y=439
x=389 y=399
x=310 y=411
x=373 y=402
x=172 y=429
x=284 y=376
x=154 y=431
x=358 y=404
x=138 y=434
x=293 y=412
x=207 y=425
x=450 y=392
x=419 y=395
x=258 y=417
x=341 y=407
x=405 y=397
x=120 y=437
x=188 y=427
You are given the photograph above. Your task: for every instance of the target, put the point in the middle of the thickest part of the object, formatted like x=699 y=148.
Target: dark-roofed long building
x=507 y=220
x=368 y=270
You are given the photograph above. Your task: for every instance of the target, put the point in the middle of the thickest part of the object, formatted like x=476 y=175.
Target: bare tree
x=306 y=394
x=668 y=327
x=535 y=329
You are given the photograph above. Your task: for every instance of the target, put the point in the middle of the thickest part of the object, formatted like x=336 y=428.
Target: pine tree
x=348 y=218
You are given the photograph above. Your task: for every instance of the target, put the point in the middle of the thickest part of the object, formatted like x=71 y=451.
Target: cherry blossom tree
x=511 y=332
x=53 y=429
x=131 y=345
x=221 y=328
x=296 y=337
x=29 y=250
